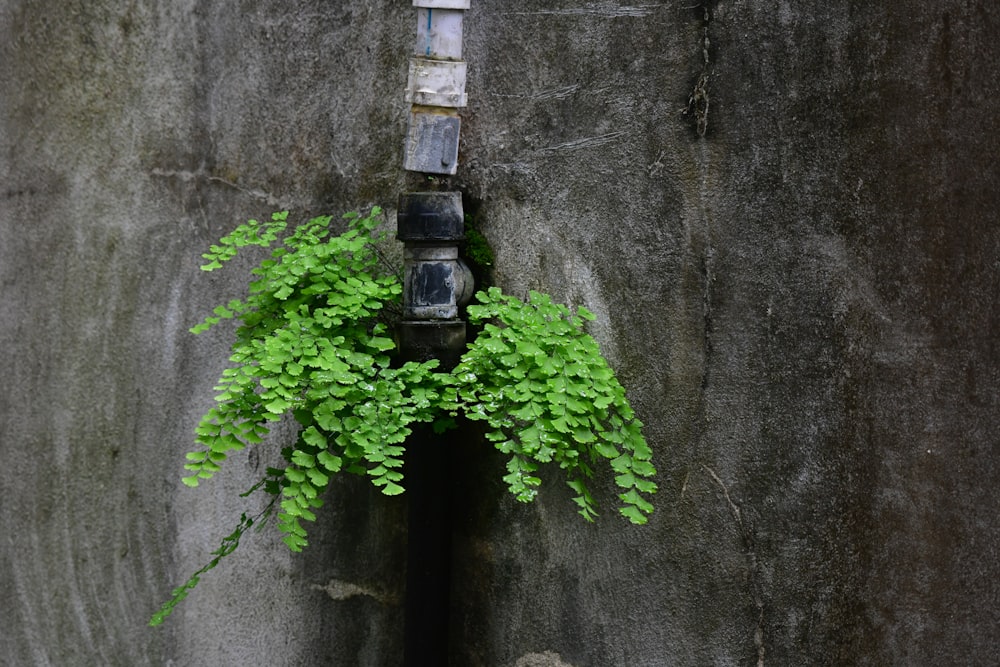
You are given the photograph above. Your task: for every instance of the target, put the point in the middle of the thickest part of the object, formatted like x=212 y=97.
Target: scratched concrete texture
x=783 y=214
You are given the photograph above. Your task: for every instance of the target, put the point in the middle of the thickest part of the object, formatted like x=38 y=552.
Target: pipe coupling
x=436 y=283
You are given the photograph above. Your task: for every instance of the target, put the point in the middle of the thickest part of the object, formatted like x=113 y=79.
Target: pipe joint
x=436 y=283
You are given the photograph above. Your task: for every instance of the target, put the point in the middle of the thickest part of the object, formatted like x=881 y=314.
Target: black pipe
x=436 y=283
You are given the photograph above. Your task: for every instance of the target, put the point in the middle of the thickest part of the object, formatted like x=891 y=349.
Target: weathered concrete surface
x=131 y=135
x=801 y=302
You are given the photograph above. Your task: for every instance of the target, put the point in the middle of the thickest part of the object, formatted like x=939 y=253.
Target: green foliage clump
x=546 y=394
x=314 y=343
x=311 y=345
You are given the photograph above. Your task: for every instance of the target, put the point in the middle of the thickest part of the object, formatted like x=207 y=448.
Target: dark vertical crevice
x=428 y=550
x=698 y=100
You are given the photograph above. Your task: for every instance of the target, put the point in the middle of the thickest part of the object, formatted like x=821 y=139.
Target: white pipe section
x=439 y=33
x=442 y=4
x=436 y=87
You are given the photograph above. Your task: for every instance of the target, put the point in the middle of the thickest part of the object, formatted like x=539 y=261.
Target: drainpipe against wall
x=436 y=285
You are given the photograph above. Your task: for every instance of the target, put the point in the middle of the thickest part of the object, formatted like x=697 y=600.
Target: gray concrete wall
x=802 y=304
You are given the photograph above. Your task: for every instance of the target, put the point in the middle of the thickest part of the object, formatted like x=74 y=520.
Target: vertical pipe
x=430 y=224
x=436 y=284
x=436 y=88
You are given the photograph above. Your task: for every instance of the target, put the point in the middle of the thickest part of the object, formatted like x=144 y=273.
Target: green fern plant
x=314 y=343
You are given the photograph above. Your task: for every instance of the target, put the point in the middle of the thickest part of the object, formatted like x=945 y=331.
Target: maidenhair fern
x=314 y=343
x=540 y=384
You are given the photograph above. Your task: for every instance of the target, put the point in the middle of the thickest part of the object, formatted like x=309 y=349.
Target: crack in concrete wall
x=753 y=566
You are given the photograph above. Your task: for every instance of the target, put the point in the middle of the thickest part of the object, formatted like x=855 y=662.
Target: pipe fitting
x=430 y=216
x=432 y=141
x=436 y=283
x=438 y=83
